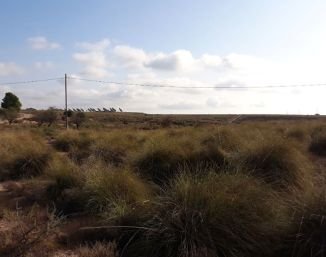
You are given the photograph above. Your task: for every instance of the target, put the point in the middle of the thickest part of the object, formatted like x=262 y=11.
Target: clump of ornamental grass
x=22 y=155
x=306 y=236
x=117 y=146
x=278 y=163
x=114 y=147
x=318 y=141
x=163 y=158
x=66 y=187
x=297 y=133
x=115 y=194
x=227 y=139
x=76 y=143
x=213 y=215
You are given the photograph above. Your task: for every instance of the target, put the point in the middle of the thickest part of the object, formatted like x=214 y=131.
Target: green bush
x=318 y=141
x=66 y=187
x=306 y=234
x=77 y=144
x=297 y=133
x=214 y=215
x=163 y=160
x=68 y=140
x=278 y=163
x=22 y=155
x=65 y=174
x=115 y=194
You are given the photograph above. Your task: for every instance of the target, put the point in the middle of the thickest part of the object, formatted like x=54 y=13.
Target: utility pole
x=66 y=102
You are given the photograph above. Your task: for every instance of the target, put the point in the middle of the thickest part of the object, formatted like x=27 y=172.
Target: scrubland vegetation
x=239 y=190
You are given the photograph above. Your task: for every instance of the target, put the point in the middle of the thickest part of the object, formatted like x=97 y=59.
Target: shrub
x=214 y=215
x=25 y=232
x=113 y=147
x=307 y=235
x=163 y=160
x=22 y=155
x=318 y=142
x=277 y=163
x=78 y=119
x=297 y=133
x=158 y=165
x=10 y=114
x=66 y=188
x=226 y=139
x=77 y=144
x=68 y=140
x=116 y=194
x=166 y=122
x=48 y=116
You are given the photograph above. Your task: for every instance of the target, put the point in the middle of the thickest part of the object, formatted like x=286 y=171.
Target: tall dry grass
x=213 y=215
x=23 y=154
x=235 y=190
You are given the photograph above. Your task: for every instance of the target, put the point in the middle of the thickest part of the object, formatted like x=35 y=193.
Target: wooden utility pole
x=66 y=102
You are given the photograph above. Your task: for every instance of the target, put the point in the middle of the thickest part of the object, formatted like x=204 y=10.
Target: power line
x=221 y=86
x=27 y=81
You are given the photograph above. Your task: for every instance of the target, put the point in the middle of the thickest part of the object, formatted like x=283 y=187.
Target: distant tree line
x=11 y=107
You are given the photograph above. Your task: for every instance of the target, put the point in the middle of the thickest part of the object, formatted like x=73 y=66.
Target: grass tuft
x=22 y=155
x=115 y=194
x=214 y=215
x=277 y=163
x=318 y=141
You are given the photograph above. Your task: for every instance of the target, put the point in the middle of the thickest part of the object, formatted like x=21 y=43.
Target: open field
x=152 y=121
x=165 y=186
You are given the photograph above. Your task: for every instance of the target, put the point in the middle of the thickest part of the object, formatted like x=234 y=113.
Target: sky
x=231 y=43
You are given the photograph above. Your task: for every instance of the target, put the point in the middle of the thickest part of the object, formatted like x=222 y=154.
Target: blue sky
x=173 y=41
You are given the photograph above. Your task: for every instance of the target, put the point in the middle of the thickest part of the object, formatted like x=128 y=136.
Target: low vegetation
x=22 y=155
x=244 y=190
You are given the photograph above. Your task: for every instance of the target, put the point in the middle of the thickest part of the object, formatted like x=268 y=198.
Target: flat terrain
x=133 y=184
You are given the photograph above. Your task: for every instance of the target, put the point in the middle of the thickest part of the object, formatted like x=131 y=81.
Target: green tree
x=11 y=101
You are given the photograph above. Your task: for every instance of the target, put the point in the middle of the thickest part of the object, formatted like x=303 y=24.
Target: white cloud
x=96 y=59
x=129 y=56
x=95 y=46
x=212 y=102
x=210 y=61
x=180 y=60
x=182 y=105
x=93 y=58
x=10 y=68
x=43 y=65
x=42 y=43
x=182 y=68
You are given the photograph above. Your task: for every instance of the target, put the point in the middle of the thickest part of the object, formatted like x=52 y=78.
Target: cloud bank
x=105 y=60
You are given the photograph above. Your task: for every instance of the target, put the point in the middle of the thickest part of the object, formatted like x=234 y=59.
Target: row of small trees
x=51 y=116
x=11 y=106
